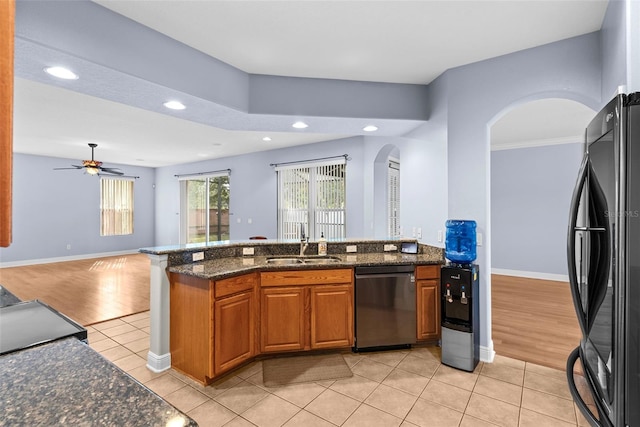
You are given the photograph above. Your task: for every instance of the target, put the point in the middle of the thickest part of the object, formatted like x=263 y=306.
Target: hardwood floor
x=533 y=320
x=88 y=291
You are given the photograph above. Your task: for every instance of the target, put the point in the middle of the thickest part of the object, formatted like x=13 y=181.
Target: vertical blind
x=116 y=206
x=311 y=198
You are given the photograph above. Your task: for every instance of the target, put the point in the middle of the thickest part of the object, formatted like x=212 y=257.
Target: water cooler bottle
x=460 y=298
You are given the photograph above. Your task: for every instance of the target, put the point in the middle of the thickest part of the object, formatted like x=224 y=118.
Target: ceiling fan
x=94 y=167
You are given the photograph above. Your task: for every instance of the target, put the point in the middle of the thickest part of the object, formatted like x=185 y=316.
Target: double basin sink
x=303 y=260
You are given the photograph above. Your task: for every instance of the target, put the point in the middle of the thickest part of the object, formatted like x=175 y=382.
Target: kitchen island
x=189 y=283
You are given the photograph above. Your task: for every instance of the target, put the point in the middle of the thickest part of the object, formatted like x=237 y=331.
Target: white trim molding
x=531 y=274
x=159 y=363
x=578 y=139
x=487 y=353
x=65 y=258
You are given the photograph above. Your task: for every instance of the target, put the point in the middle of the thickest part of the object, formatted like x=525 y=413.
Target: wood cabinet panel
x=7 y=20
x=191 y=326
x=282 y=326
x=306 y=277
x=428 y=306
x=234 y=285
x=428 y=271
x=234 y=327
x=331 y=316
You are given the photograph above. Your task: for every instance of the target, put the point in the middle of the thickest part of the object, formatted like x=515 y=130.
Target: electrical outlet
x=419 y=233
x=352 y=248
x=479 y=239
x=68 y=246
x=388 y=248
x=247 y=251
x=413 y=232
x=198 y=256
x=439 y=236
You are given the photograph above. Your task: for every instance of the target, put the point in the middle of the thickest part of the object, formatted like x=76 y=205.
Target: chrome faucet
x=304 y=243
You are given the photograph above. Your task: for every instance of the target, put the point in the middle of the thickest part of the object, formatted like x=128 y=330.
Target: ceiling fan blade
x=113 y=171
x=74 y=167
x=123 y=176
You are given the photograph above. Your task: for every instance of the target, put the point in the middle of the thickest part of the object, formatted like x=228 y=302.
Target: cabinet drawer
x=306 y=277
x=234 y=285
x=428 y=271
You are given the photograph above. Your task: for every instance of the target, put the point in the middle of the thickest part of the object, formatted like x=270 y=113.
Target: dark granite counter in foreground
x=7 y=298
x=67 y=382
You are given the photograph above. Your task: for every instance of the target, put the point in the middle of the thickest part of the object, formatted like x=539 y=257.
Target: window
x=116 y=206
x=204 y=209
x=311 y=197
x=393 y=200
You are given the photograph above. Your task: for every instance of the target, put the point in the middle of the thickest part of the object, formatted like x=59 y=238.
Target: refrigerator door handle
x=584 y=409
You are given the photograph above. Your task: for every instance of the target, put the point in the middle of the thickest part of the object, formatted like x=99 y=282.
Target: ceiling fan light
x=61 y=73
x=92 y=171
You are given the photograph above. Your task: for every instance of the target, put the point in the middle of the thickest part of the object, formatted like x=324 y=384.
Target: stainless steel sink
x=304 y=260
x=323 y=260
x=284 y=261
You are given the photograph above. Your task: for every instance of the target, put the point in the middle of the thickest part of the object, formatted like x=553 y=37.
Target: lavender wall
x=53 y=209
x=531 y=191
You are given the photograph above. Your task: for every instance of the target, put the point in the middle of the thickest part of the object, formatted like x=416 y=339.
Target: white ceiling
x=385 y=41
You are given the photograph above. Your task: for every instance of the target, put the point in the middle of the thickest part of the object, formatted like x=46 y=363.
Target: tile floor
x=394 y=388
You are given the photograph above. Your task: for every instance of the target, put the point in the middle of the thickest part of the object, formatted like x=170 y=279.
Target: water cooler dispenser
x=460 y=298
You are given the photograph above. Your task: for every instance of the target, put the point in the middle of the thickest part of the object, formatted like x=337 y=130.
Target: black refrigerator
x=603 y=253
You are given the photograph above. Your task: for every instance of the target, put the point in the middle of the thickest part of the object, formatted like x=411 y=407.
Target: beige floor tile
x=211 y=414
x=165 y=384
x=500 y=390
x=499 y=360
x=493 y=410
x=128 y=337
x=446 y=395
x=428 y=414
x=221 y=385
x=257 y=379
x=103 y=345
x=239 y=422
x=118 y=330
x=271 y=411
x=534 y=419
x=548 y=404
x=147 y=330
x=552 y=385
x=352 y=358
x=241 y=397
x=456 y=377
x=546 y=371
x=186 y=398
x=406 y=423
x=108 y=324
x=93 y=336
x=419 y=365
x=357 y=387
x=248 y=370
x=333 y=406
x=138 y=345
x=130 y=362
x=142 y=323
x=503 y=372
x=391 y=400
x=469 y=421
x=391 y=358
x=115 y=353
x=144 y=374
x=307 y=419
x=135 y=317
x=298 y=394
x=432 y=353
x=406 y=381
x=367 y=416
x=373 y=370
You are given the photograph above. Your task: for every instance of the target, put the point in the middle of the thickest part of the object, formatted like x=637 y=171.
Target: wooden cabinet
x=428 y=302
x=234 y=322
x=7 y=21
x=212 y=324
x=307 y=309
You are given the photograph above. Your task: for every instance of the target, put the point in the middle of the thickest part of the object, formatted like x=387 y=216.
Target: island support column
x=159 y=356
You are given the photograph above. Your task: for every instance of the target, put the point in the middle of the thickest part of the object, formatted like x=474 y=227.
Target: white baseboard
x=65 y=258
x=531 y=274
x=487 y=353
x=158 y=363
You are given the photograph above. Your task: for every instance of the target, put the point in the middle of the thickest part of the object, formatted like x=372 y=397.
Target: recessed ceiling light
x=300 y=125
x=174 y=105
x=61 y=73
x=370 y=128
x=266 y=138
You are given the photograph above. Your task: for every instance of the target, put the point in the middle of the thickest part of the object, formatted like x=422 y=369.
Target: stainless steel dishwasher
x=385 y=312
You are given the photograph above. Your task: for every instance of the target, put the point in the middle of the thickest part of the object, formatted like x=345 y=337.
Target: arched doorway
x=386 y=194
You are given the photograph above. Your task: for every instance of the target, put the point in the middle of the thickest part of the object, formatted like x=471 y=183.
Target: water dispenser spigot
x=463 y=298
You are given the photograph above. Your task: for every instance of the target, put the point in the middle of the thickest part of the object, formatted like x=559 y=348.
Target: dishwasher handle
x=378 y=270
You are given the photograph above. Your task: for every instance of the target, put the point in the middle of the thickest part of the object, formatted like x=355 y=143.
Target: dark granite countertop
x=231 y=266
x=67 y=382
x=7 y=298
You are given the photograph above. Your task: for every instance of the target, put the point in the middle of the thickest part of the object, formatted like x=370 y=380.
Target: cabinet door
x=234 y=327
x=428 y=301
x=190 y=327
x=282 y=319
x=331 y=316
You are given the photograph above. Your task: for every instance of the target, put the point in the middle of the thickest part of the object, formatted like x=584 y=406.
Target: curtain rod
x=346 y=158
x=204 y=173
